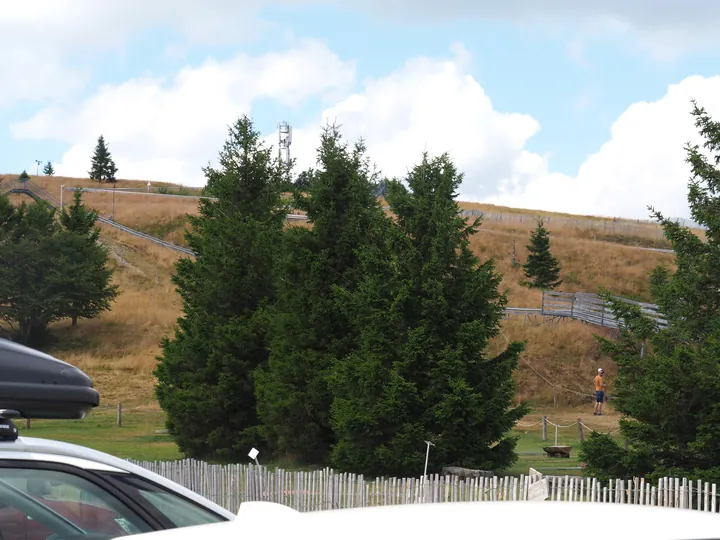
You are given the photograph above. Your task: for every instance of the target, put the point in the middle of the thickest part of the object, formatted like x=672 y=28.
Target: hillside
x=118 y=350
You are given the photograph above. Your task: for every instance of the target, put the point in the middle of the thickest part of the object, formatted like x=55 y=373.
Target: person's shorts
x=599 y=396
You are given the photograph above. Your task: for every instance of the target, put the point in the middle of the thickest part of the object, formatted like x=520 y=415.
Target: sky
x=556 y=105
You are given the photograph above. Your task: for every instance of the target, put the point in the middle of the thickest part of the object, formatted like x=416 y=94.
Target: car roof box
x=38 y=386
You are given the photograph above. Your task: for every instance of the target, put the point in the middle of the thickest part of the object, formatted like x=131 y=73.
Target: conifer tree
x=204 y=374
x=48 y=169
x=29 y=297
x=310 y=330
x=88 y=287
x=24 y=176
x=541 y=268
x=102 y=167
x=668 y=382
x=425 y=315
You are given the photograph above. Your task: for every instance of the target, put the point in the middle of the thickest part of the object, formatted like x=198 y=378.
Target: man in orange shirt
x=599 y=392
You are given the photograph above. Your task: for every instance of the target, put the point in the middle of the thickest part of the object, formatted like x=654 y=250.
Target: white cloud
x=434 y=105
x=48 y=46
x=168 y=131
x=45 y=45
x=642 y=164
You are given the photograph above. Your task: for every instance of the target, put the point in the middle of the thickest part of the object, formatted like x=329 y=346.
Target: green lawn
x=137 y=439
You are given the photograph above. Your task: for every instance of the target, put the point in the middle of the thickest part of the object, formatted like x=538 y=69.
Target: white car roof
x=30 y=448
x=543 y=520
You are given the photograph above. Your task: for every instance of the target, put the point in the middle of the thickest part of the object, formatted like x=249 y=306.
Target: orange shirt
x=599 y=383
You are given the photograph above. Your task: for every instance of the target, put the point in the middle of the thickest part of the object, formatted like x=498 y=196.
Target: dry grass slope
x=119 y=348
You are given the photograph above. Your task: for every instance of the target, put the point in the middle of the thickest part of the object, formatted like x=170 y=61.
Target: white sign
x=253 y=453
x=538 y=491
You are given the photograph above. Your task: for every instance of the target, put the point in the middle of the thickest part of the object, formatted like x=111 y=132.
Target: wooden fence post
x=119 y=414
x=27 y=423
x=580 y=430
x=544 y=424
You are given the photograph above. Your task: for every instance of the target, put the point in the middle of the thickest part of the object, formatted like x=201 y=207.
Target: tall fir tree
x=541 y=268
x=310 y=331
x=102 y=166
x=205 y=370
x=425 y=316
x=29 y=296
x=88 y=288
x=48 y=169
x=668 y=382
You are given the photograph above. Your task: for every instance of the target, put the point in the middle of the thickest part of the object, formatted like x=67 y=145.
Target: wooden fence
x=591 y=308
x=230 y=485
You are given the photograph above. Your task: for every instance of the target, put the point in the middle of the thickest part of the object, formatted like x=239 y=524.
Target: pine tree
x=89 y=290
x=48 y=169
x=29 y=297
x=541 y=267
x=310 y=331
x=669 y=395
x=24 y=176
x=204 y=374
x=102 y=168
x=425 y=315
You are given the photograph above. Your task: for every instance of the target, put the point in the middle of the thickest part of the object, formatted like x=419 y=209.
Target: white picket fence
x=230 y=485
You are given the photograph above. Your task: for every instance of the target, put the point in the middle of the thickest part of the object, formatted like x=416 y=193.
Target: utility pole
x=37 y=167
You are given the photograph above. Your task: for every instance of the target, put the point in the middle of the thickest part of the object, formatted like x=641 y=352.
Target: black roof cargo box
x=39 y=386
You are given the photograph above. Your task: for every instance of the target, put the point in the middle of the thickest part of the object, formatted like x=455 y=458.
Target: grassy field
x=138 y=438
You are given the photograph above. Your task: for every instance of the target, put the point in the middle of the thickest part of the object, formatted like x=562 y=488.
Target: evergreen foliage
x=670 y=397
x=48 y=272
x=541 y=268
x=204 y=374
x=425 y=311
x=89 y=290
x=48 y=169
x=310 y=329
x=102 y=166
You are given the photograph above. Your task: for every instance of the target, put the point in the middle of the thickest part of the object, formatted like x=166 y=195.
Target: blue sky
x=525 y=103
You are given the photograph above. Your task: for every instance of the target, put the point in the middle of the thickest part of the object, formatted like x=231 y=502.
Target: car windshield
x=179 y=511
x=50 y=505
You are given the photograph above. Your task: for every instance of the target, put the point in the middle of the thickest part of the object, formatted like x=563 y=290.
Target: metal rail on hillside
x=34 y=191
x=592 y=309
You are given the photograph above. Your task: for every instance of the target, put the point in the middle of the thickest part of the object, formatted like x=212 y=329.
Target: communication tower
x=284 y=142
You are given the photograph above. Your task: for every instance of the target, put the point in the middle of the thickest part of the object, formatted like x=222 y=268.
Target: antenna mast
x=284 y=142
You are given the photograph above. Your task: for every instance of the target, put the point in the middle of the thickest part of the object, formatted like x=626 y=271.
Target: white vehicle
x=50 y=490
x=511 y=520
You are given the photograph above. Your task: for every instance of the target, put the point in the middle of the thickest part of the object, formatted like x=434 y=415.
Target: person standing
x=600 y=387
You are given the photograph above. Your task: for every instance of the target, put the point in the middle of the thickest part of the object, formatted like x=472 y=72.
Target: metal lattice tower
x=284 y=142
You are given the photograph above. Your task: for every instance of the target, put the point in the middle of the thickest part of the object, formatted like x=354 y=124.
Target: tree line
x=52 y=268
x=353 y=341
x=348 y=342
